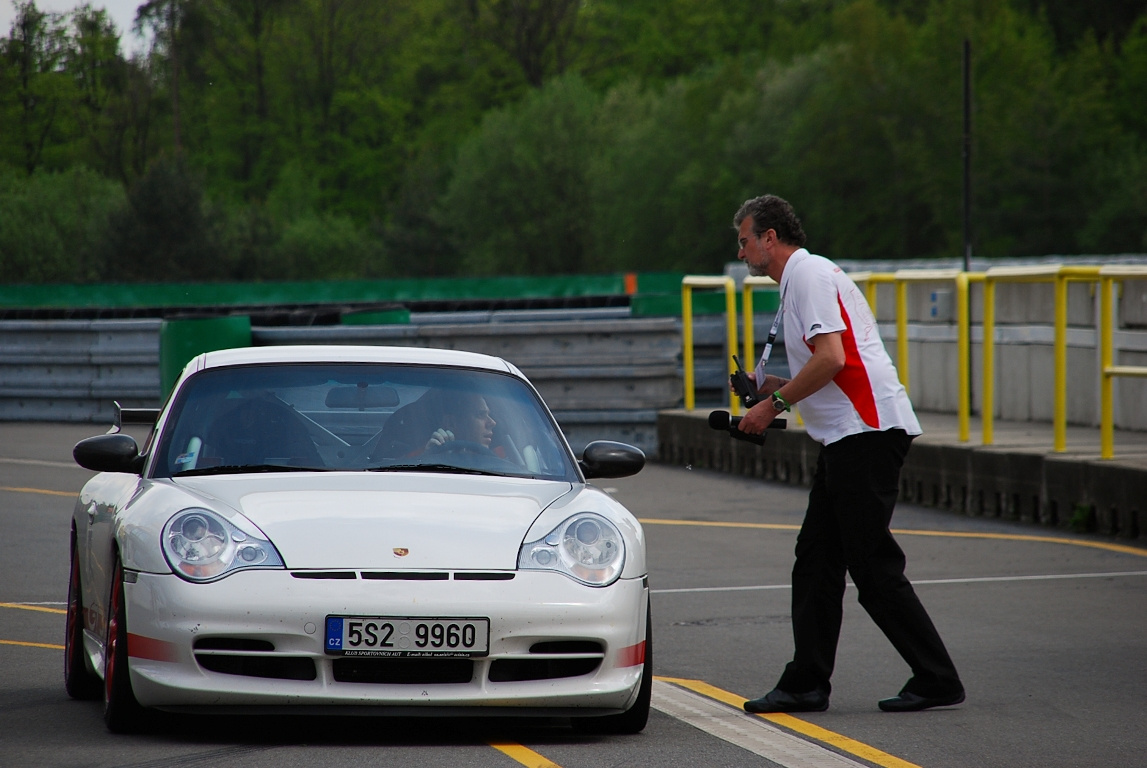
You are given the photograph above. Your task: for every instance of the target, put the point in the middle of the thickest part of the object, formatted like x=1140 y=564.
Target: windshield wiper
x=239 y=469
x=434 y=468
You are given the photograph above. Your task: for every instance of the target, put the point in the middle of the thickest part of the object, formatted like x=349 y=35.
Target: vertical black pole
x=967 y=156
x=968 y=206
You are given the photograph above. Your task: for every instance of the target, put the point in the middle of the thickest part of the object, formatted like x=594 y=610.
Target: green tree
x=166 y=231
x=663 y=183
x=52 y=225
x=518 y=202
x=35 y=94
x=100 y=75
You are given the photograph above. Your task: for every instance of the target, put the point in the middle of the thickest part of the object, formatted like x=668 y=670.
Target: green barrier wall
x=181 y=339
x=120 y=295
x=704 y=303
x=658 y=294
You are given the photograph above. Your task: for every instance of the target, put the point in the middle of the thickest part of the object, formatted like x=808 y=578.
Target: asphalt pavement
x=1048 y=629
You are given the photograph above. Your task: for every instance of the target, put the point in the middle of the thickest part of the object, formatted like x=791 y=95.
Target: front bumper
x=255 y=641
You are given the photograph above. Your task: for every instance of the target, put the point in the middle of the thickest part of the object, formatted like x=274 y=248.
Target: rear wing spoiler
x=145 y=416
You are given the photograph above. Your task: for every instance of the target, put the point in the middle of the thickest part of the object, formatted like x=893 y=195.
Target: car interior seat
x=262 y=431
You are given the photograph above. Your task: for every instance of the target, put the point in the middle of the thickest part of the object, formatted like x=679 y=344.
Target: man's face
x=752 y=249
x=475 y=425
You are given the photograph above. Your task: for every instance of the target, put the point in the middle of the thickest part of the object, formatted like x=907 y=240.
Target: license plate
x=405 y=636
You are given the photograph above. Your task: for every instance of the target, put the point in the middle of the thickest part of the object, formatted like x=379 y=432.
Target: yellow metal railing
x=1107 y=369
x=688 y=283
x=1058 y=275
x=748 y=343
x=900 y=280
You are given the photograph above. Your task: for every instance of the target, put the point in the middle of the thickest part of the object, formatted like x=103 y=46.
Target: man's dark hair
x=771 y=212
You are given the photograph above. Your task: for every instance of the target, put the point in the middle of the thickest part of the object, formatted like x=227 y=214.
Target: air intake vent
x=492 y=576
x=567 y=647
x=277 y=668
x=403 y=671
x=324 y=574
x=520 y=670
x=232 y=644
x=405 y=575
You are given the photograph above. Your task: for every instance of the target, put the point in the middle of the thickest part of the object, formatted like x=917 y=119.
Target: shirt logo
x=814 y=327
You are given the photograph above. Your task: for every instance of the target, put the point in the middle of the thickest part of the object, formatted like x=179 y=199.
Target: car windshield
x=359 y=417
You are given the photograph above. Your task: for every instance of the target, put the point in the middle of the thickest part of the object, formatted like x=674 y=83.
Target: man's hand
x=758 y=418
x=770 y=385
x=440 y=437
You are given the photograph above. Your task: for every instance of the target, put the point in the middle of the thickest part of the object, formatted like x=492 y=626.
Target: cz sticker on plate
x=392 y=636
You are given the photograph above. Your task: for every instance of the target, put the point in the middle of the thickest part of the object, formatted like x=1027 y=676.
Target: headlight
x=202 y=546
x=585 y=547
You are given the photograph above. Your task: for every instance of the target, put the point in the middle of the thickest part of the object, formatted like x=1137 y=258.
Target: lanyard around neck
x=768 y=351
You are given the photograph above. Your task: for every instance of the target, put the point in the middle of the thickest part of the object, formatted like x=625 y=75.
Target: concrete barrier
x=1025 y=483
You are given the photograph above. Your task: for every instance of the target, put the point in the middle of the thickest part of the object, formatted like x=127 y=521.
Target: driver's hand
x=440 y=437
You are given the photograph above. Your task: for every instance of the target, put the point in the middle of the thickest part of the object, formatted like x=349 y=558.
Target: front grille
x=275 y=667
x=403 y=671
x=519 y=670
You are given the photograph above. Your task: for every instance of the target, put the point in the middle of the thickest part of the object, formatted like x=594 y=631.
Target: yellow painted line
x=33 y=645
x=23 y=607
x=1122 y=548
x=37 y=490
x=1141 y=552
x=803 y=727
x=523 y=755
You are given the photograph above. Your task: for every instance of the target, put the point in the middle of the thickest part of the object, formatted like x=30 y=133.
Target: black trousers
x=846 y=528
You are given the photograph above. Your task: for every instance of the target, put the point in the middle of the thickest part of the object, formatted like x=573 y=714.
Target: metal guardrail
x=603 y=377
x=1057 y=274
x=688 y=283
x=1053 y=273
x=901 y=279
x=73 y=370
x=1108 y=276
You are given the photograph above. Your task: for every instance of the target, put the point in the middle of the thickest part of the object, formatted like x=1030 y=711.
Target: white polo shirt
x=866 y=395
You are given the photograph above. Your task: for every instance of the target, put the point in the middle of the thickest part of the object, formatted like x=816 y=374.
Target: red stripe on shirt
x=853 y=377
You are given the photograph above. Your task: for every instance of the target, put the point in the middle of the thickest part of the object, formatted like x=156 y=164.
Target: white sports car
x=356 y=530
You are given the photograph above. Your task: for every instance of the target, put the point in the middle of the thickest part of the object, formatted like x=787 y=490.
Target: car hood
x=388 y=521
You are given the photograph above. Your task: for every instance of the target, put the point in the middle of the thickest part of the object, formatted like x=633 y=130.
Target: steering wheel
x=461 y=446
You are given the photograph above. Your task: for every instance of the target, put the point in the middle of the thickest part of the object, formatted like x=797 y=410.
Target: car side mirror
x=605 y=458
x=109 y=453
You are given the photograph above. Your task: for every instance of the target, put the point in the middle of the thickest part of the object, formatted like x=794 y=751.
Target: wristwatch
x=779 y=403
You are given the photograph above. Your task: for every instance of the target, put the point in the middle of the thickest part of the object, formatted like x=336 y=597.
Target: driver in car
x=465 y=419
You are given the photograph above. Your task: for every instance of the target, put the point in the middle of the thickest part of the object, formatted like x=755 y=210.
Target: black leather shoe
x=910 y=702
x=777 y=700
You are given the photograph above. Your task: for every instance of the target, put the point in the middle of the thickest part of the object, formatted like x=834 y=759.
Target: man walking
x=852 y=402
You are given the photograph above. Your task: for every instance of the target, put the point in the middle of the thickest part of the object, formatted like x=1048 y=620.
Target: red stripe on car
x=632 y=655
x=141 y=647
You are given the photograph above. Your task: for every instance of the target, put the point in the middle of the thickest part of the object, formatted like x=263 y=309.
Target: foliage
x=274 y=139
x=166 y=230
x=52 y=224
x=518 y=200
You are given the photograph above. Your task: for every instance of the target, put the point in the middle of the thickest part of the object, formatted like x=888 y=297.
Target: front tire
x=79 y=680
x=632 y=720
x=122 y=712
